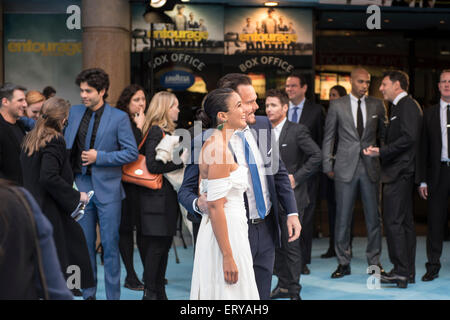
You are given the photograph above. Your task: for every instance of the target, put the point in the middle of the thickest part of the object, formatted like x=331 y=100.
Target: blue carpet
x=318 y=285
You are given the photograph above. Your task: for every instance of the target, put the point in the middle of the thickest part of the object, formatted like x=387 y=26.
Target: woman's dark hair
x=215 y=102
x=96 y=78
x=48 y=91
x=126 y=95
x=200 y=115
x=340 y=90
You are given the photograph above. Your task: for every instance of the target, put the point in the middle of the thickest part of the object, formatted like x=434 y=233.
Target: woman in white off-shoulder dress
x=223 y=264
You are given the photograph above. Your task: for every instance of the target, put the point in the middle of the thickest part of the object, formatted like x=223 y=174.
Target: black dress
x=48 y=176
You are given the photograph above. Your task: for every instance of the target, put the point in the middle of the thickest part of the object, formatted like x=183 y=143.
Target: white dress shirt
x=278 y=128
x=400 y=96
x=299 y=111
x=354 y=105
x=238 y=149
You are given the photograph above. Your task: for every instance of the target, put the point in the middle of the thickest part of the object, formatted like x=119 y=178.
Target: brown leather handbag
x=137 y=173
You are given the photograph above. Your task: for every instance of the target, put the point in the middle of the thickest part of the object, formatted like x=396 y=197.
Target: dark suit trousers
x=399 y=224
x=306 y=235
x=156 y=261
x=262 y=244
x=437 y=218
x=288 y=261
x=346 y=193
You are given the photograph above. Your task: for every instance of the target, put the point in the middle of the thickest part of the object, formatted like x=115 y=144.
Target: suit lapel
x=283 y=132
x=370 y=111
x=102 y=125
x=305 y=112
x=74 y=125
x=348 y=111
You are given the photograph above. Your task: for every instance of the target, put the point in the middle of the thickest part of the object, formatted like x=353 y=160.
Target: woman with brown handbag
x=133 y=101
x=159 y=207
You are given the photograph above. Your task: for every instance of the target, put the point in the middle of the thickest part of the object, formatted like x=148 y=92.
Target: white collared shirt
x=444 y=130
x=400 y=96
x=238 y=149
x=299 y=111
x=278 y=128
x=354 y=104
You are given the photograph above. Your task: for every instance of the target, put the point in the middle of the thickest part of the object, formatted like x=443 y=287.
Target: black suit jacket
x=313 y=116
x=398 y=155
x=10 y=152
x=430 y=148
x=301 y=156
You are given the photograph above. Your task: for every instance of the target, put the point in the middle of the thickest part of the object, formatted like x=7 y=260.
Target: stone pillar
x=2 y=70
x=106 y=28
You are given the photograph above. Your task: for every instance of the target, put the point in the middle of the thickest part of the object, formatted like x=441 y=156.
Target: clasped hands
x=371 y=151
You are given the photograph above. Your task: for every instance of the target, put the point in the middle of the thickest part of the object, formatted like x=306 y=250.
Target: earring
x=220 y=126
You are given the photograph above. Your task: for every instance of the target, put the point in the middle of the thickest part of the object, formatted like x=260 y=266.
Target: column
x=106 y=28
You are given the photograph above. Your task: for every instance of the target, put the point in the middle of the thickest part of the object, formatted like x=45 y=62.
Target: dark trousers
x=262 y=245
x=288 y=261
x=346 y=193
x=399 y=224
x=306 y=235
x=437 y=218
x=156 y=261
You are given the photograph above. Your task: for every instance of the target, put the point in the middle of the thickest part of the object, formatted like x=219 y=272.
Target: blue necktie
x=256 y=182
x=295 y=115
x=87 y=141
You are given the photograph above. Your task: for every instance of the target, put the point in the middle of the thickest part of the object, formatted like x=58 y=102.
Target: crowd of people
x=249 y=186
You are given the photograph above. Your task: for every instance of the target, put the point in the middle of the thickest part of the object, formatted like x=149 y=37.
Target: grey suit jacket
x=339 y=122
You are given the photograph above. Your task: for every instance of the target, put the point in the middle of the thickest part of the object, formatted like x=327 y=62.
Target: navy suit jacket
x=115 y=145
x=278 y=183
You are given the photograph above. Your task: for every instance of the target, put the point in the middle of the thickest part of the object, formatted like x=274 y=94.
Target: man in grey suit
x=359 y=121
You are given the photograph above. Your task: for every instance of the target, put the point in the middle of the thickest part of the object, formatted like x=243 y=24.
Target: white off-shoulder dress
x=208 y=281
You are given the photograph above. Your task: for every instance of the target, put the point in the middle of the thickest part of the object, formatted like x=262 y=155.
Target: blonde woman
x=47 y=175
x=159 y=208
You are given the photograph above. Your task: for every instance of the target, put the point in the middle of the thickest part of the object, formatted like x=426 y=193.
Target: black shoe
x=382 y=271
x=305 y=270
x=329 y=254
x=76 y=292
x=430 y=275
x=341 y=271
x=279 y=293
x=295 y=297
x=134 y=284
x=412 y=279
x=401 y=281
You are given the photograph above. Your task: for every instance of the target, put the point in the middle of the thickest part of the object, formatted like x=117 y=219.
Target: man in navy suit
x=101 y=142
x=264 y=233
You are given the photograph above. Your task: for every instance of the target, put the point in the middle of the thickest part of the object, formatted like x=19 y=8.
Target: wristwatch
x=196 y=208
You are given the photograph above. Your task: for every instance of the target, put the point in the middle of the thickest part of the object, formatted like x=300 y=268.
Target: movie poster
x=285 y=31
x=40 y=51
x=189 y=28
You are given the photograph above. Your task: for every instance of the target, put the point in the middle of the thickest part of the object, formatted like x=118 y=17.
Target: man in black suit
x=12 y=131
x=302 y=159
x=434 y=173
x=304 y=111
x=398 y=163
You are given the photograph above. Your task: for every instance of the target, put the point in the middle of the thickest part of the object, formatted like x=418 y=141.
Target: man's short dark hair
x=281 y=95
x=300 y=77
x=233 y=80
x=400 y=76
x=96 y=78
x=7 y=90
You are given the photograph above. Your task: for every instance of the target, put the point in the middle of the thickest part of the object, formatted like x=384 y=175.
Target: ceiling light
x=157 y=3
x=330 y=20
x=387 y=20
x=442 y=22
x=185 y=0
x=270 y=4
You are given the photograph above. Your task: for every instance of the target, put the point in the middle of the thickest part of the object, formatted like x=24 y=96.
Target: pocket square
x=393 y=118
x=375 y=116
x=284 y=145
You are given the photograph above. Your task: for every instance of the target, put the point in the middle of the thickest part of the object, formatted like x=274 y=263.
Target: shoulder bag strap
x=36 y=241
